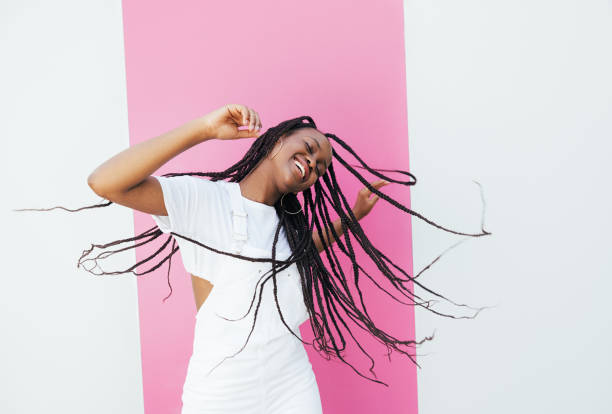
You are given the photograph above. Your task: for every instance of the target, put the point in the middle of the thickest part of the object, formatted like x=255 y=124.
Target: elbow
x=91 y=182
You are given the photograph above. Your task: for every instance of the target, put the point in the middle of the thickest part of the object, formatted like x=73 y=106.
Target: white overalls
x=272 y=374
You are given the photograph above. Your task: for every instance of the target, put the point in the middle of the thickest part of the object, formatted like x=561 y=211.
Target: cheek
x=285 y=176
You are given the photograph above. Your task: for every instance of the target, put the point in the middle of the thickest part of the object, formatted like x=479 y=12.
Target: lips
x=305 y=166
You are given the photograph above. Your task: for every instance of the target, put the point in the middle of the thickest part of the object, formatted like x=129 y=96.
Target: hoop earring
x=288 y=212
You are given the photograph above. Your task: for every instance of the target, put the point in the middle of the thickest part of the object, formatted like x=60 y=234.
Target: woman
x=253 y=253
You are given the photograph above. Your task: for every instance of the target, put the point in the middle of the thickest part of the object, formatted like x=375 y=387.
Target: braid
x=326 y=291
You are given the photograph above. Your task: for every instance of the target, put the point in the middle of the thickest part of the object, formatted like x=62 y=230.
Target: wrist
x=201 y=128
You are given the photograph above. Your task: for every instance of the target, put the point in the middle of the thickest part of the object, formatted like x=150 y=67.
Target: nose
x=309 y=162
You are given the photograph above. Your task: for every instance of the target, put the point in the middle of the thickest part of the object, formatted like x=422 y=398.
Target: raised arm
x=126 y=177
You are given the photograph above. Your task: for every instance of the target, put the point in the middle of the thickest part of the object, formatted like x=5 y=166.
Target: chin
x=291 y=184
x=288 y=185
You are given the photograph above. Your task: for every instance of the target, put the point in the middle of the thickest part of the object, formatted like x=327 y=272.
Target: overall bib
x=272 y=374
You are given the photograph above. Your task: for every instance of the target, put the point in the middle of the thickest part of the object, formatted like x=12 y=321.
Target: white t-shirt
x=200 y=209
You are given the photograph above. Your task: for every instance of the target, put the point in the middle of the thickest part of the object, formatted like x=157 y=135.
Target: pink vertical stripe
x=341 y=62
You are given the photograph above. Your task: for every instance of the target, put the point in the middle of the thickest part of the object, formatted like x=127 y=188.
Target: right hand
x=223 y=123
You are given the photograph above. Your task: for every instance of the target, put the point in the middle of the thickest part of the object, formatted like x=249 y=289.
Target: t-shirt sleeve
x=196 y=209
x=181 y=198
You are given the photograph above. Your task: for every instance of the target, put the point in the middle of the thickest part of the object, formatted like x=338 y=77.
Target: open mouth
x=301 y=168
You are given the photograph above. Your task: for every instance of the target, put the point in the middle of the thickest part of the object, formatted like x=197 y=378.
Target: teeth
x=301 y=167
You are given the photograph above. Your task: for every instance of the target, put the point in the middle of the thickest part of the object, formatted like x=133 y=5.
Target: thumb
x=245 y=133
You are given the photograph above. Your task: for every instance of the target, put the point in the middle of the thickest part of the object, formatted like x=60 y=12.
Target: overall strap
x=239 y=218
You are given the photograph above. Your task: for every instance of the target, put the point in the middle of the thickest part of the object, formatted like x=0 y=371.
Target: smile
x=301 y=168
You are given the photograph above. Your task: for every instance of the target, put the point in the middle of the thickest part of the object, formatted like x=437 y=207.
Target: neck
x=259 y=186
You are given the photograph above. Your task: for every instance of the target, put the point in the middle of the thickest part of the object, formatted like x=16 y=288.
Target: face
x=300 y=159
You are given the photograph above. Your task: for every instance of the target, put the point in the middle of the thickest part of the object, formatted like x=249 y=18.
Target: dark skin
x=125 y=178
x=278 y=174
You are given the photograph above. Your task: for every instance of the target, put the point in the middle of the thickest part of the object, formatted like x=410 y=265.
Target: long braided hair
x=325 y=291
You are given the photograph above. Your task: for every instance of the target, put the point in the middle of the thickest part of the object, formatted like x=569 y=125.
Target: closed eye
x=310 y=152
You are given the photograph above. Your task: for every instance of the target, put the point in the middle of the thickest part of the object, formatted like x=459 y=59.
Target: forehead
x=314 y=134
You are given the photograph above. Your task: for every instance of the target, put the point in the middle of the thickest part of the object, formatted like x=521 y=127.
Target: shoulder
x=194 y=183
x=207 y=187
x=213 y=196
x=187 y=193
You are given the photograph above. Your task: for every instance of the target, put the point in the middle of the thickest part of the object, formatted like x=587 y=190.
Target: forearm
x=132 y=165
x=337 y=224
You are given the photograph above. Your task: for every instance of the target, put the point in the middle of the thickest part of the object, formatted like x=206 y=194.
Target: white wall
x=70 y=340
x=516 y=95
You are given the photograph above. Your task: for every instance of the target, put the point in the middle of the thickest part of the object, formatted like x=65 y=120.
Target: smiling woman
x=244 y=228
x=298 y=159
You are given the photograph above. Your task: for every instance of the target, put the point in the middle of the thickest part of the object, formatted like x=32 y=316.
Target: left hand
x=364 y=202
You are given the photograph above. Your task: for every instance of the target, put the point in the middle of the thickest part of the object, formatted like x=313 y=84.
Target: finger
x=252 y=119
x=376 y=184
x=258 y=121
x=365 y=192
x=379 y=183
x=243 y=115
x=244 y=112
x=234 y=112
x=238 y=113
x=245 y=133
x=256 y=124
